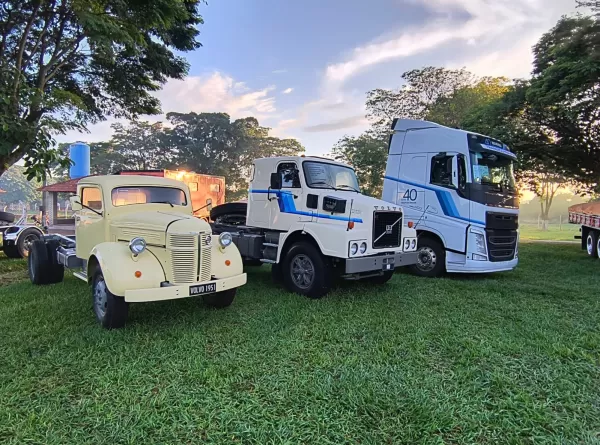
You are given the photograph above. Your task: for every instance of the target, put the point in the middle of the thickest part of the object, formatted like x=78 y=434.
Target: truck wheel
x=11 y=251
x=7 y=217
x=598 y=247
x=305 y=271
x=230 y=213
x=381 y=279
x=38 y=264
x=431 y=258
x=111 y=310
x=26 y=239
x=276 y=273
x=592 y=243
x=220 y=300
x=56 y=271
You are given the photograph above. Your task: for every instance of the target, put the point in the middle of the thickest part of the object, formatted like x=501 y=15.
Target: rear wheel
x=7 y=217
x=592 y=243
x=111 y=310
x=431 y=258
x=306 y=271
x=38 y=264
x=11 y=251
x=25 y=240
x=221 y=299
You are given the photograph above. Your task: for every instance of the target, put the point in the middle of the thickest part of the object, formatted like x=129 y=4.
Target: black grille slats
x=387 y=229
x=501 y=233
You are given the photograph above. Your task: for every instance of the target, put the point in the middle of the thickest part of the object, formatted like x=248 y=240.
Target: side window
x=441 y=170
x=462 y=173
x=91 y=197
x=290 y=176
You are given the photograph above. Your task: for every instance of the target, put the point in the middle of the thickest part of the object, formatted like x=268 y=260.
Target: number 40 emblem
x=410 y=195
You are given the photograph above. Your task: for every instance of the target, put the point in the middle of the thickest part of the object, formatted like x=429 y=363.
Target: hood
x=369 y=203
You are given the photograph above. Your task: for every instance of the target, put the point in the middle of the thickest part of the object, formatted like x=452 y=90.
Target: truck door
x=286 y=205
x=447 y=212
x=89 y=222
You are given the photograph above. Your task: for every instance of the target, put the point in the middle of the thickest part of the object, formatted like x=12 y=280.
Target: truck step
x=80 y=275
x=268 y=261
x=270 y=245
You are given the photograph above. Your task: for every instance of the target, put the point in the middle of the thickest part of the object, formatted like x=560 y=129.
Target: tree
x=18 y=188
x=367 y=153
x=211 y=143
x=422 y=89
x=67 y=63
x=139 y=146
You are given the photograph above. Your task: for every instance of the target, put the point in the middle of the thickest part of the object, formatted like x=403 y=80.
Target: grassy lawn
x=554 y=232
x=512 y=358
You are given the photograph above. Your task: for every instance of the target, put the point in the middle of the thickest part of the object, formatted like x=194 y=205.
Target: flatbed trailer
x=588 y=217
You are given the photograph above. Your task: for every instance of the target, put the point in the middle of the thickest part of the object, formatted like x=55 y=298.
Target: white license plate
x=201 y=289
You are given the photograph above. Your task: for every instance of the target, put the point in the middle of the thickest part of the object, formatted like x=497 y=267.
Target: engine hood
x=153 y=226
x=369 y=204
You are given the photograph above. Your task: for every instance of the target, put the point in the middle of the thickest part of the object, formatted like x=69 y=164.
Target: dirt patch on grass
x=13 y=276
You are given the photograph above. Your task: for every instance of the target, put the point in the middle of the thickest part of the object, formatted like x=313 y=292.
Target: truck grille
x=387 y=229
x=190 y=258
x=501 y=244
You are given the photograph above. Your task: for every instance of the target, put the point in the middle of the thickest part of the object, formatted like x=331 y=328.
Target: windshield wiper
x=163 y=202
x=350 y=187
x=322 y=183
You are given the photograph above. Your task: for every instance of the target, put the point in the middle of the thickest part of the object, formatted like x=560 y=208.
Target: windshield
x=330 y=176
x=123 y=196
x=492 y=169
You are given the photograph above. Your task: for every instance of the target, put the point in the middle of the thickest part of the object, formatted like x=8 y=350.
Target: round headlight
x=406 y=243
x=353 y=248
x=363 y=247
x=413 y=244
x=208 y=240
x=225 y=239
x=137 y=245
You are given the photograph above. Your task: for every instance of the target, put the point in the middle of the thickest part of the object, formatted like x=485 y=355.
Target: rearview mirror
x=209 y=204
x=75 y=204
x=275 y=181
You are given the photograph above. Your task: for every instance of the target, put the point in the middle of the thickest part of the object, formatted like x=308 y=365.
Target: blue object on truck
x=79 y=154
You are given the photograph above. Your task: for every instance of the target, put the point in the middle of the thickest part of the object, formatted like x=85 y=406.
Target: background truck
x=203 y=188
x=307 y=218
x=16 y=237
x=588 y=216
x=136 y=240
x=460 y=189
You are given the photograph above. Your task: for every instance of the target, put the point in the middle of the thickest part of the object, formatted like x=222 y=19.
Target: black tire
x=381 y=279
x=230 y=213
x=276 y=273
x=221 y=299
x=315 y=277
x=11 y=251
x=431 y=258
x=592 y=243
x=26 y=238
x=110 y=310
x=252 y=263
x=56 y=271
x=38 y=263
x=7 y=217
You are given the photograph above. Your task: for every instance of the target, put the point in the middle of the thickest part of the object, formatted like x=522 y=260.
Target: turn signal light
x=410 y=224
x=138 y=274
x=227 y=262
x=350 y=225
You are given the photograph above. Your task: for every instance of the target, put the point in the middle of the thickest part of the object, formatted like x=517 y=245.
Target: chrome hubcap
x=27 y=242
x=590 y=244
x=100 y=298
x=303 y=271
x=426 y=259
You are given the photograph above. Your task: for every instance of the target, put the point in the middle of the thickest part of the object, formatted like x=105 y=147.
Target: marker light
x=410 y=224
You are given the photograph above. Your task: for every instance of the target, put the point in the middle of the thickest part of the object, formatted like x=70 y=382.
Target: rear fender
x=119 y=268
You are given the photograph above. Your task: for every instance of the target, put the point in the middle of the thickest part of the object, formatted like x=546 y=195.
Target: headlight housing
x=363 y=247
x=479 y=244
x=137 y=245
x=225 y=239
x=413 y=244
x=406 y=243
x=353 y=248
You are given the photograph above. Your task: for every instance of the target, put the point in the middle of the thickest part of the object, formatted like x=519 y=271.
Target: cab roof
x=278 y=159
x=112 y=181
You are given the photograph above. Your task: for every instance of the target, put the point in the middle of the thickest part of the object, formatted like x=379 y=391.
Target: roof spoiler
x=412 y=124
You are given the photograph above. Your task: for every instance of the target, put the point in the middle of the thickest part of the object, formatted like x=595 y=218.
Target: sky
x=303 y=68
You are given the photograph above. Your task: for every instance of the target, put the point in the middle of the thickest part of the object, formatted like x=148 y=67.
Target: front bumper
x=382 y=262
x=180 y=291
x=472 y=266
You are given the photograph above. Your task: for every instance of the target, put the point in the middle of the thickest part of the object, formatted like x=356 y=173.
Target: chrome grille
x=387 y=229
x=205 y=259
x=190 y=258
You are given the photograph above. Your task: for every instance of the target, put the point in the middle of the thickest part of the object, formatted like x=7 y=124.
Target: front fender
x=219 y=258
x=119 y=266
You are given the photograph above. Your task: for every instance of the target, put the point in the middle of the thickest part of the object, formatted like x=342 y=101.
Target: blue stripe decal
x=444 y=197
x=286 y=203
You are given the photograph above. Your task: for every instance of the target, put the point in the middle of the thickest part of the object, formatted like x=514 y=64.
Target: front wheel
x=306 y=271
x=431 y=258
x=111 y=310
x=219 y=300
x=592 y=243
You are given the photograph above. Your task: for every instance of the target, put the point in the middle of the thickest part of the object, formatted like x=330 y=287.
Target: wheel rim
x=31 y=268
x=100 y=298
x=590 y=245
x=426 y=259
x=303 y=271
x=598 y=248
x=27 y=242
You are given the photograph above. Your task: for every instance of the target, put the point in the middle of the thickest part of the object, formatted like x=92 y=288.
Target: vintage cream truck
x=137 y=240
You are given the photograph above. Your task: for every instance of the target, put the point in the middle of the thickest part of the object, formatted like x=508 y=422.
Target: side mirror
x=75 y=204
x=275 y=181
x=209 y=204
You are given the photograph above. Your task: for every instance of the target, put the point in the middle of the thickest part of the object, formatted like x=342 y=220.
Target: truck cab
x=307 y=217
x=460 y=190
x=136 y=240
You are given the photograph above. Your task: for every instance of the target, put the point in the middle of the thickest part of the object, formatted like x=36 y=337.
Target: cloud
x=287 y=90
x=279 y=71
x=348 y=122
x=287 y=123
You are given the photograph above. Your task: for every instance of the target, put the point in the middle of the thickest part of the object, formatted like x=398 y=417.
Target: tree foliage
x=67 y=63
x=367 y=153
x=18 y=188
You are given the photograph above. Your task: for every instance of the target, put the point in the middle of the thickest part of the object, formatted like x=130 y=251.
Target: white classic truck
x=307 y=218
x=136 y=240
x=459 y=189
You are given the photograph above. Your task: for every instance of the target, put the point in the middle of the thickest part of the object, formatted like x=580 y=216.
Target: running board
x=81 y=276
x=268 y=261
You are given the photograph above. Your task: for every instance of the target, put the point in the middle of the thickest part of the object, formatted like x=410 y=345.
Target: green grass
x=554 y=233
x=511 y=358
x=11 y=270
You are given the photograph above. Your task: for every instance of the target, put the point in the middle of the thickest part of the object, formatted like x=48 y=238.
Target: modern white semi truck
x=459 y=189
x=307 y=218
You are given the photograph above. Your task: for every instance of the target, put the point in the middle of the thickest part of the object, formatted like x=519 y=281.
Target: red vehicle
x=207 y=190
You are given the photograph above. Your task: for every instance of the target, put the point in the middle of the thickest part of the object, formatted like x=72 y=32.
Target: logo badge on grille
x=389 y=229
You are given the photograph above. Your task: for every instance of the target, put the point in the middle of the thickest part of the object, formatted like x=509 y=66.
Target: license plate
x=388 y=267
x=388 y=264
x=201 y=289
